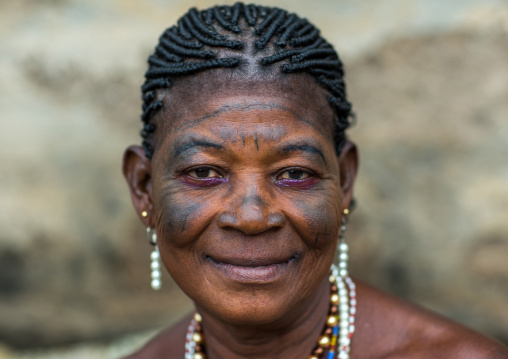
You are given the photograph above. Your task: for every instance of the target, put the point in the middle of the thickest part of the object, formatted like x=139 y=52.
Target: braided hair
x=200 y=37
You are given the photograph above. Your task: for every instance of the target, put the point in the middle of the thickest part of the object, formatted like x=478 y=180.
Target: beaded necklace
x=336 y=336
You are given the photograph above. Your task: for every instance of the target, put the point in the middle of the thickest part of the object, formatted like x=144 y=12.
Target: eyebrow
x=194 y=143
x=303 y=147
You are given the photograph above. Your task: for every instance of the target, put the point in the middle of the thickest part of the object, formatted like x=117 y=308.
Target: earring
x=155 y=257
x=341 y=268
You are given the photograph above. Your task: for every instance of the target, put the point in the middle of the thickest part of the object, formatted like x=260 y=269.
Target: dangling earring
x=155 y=257
x=343 y=248
x=340 y=269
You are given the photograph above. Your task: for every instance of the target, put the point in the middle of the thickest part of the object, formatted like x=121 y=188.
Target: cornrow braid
x=250 y=12
x=237 y=9
x=201 y=37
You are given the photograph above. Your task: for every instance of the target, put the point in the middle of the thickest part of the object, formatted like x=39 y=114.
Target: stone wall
x=429 y=84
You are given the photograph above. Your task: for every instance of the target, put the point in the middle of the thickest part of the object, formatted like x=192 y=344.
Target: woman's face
x=247 y=195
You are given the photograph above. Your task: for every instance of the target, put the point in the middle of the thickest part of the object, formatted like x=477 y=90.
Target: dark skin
x=246 y=192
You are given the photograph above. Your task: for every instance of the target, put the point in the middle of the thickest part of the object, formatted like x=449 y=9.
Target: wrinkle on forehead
x=196 y=98
x=268 y=131
x=246 y=107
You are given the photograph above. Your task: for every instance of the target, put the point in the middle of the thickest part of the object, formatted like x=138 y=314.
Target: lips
x=252 y=270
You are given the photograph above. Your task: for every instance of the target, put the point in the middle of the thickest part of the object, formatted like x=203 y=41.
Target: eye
x=203 y=172
x=298 y=178
x=294 y=174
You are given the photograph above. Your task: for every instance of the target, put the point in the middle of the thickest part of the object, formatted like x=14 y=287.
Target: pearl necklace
x=339 y=327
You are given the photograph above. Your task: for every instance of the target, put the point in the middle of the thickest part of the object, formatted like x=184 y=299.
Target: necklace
x=336 y=335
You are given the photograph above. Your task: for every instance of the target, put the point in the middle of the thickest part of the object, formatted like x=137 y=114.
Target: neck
x=294 y=335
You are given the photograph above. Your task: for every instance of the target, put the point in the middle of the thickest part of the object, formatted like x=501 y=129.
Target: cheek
x=316 y=219
x=179 y=216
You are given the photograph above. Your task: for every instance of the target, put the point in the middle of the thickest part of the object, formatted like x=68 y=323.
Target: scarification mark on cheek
x=176 y=212
x=256 y=141
x=186 y=213
x=243 y=139
x=316 y=214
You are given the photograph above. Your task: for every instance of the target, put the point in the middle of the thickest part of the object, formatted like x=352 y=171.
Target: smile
x=252 y=271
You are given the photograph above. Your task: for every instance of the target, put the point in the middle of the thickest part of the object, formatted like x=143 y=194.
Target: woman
x=245 y=182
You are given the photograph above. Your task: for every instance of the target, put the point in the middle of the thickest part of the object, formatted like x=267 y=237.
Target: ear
x=137 y=170
x=348 y=167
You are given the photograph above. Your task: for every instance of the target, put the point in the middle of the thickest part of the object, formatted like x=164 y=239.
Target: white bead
x=155 y=265
x=343 y=256
x=343 y=247
x=344 y=308
x=343 y=273
x=353 y=310
x=353 y=302
x=342 y=265
x=154 y=255
x=344 y=341
x=156 y=274
x=156 y=284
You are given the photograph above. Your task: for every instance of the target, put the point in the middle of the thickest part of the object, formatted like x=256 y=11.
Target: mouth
x=252 y=270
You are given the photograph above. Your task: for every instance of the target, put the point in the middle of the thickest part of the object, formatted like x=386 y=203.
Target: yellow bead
x=346 y=211
x=332 y=279
x=334 y=298
x=198 y=318
x=199 y=356
x=197 y=338
x=144 y=214
x=312 y=357
x=332 y=321
x=324 y=341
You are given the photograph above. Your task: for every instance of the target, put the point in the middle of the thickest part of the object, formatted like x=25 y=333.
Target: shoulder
x=168 y=344
x=391 y=328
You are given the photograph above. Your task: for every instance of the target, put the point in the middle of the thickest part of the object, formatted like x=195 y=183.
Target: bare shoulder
x=168 y=344
x=392 y=328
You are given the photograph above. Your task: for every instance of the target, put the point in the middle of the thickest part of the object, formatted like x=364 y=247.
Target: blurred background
x=429 y=84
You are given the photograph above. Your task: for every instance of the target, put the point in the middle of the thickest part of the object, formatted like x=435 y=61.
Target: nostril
x=227 y=219
x=275 y=220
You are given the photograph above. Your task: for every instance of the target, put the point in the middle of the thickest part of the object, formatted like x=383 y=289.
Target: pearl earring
x=155 y=259
x=343 y=248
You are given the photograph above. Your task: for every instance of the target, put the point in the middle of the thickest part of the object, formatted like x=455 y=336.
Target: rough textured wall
x=429 y=87
x=432 y=221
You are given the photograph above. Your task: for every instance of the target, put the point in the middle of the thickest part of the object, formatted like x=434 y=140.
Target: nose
x=251 y=211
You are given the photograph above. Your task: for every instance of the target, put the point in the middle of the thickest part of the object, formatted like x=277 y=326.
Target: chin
x=254 y=309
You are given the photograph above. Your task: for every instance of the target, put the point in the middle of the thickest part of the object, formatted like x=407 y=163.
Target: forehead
x=221 y=93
